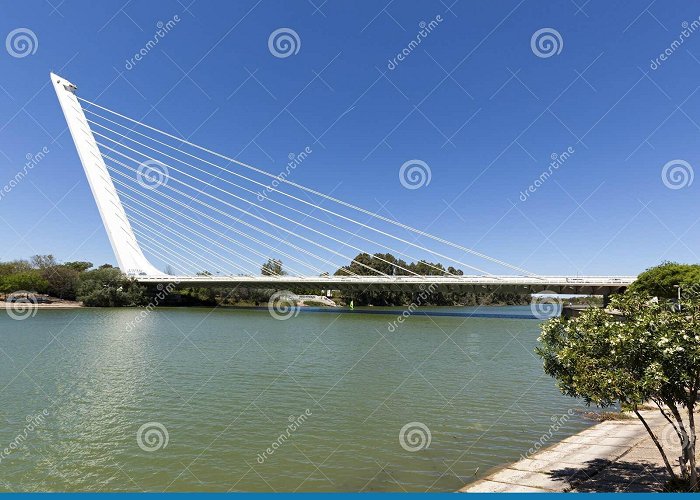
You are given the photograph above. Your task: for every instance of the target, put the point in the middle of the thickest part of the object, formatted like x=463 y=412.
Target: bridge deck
x=526 y=284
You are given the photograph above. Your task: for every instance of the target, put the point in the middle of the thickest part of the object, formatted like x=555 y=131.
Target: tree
x=425 y=268
x=659 y=281
x=109 y=287
x=649 y=352
x=43 y=261
x=31 y=281
x=62 y=281
x=80 y=266
x=455 y=272
x=273 y=267
x=13 y=267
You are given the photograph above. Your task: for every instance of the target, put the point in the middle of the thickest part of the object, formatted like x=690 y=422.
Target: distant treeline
x=365 y=264
x=107 y=286
x=42 y=274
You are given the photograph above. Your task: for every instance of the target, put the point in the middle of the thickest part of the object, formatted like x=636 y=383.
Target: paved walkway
x=612 y=456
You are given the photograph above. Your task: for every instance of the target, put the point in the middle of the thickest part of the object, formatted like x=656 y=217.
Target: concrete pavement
x=612 y=456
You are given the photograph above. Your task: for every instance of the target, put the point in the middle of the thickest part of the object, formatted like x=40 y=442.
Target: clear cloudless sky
x=473 y=101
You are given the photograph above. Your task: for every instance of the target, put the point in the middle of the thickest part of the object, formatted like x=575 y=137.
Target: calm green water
x=224 y=384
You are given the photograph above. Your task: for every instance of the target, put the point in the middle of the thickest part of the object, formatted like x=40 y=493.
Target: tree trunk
x=670 y=470
x=694 y=485
x=685 y=442
x=668 y=419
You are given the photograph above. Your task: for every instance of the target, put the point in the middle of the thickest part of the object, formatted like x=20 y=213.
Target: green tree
x=80 y=266
x=62 y=281
x=43 y=261
x=659 y=281
x=649 y=352
x=425 y=268
x=30 y=280
x=455 y=272
x=273 y=267
x=109 y=287
x=13 y=267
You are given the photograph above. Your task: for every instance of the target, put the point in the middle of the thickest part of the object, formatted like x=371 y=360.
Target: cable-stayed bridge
x=209 y=219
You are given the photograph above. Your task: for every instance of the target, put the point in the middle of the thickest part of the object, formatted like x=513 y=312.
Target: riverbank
x=387 y=311
x=65 y=304
x=612 y=456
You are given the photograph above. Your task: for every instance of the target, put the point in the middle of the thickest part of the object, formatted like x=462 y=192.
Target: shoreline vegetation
x=641 y=351
x=51 y=283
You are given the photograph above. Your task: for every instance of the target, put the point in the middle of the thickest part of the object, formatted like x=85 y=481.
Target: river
x=192 y=399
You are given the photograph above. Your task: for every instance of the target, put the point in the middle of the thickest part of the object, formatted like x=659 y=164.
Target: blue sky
x=473 y=101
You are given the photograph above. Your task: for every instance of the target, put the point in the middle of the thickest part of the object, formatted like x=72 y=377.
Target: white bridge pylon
x=213 y=219
x=129 y=256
